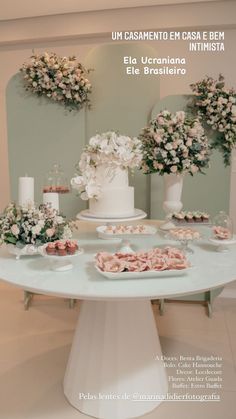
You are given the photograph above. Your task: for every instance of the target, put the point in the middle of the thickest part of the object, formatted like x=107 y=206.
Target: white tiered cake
x=103 y=174
x=116 y=198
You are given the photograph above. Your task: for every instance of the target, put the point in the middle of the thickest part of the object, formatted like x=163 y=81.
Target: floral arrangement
x=109 y=150
x=174 y=143
x=61 y=79
x=217 y=106
x=21 y=226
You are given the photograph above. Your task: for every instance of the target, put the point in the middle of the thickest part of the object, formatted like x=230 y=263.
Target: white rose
x=168 y=146
x=180 y=116
x=174 y=169
x=59 y=219
x=15 y=229
x=233 y=110
x=36 y=229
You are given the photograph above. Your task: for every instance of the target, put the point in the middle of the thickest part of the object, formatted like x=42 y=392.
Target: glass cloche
x=222 y=227
x=56 y=181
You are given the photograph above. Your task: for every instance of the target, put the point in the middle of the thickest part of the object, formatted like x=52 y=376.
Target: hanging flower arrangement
x=216 y=105
x=60 y=79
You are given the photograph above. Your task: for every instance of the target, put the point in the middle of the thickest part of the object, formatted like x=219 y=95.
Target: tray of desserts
x=61 y=249
x=191 y=217
x=184 y=234
x=158 y=262
x=124 y=230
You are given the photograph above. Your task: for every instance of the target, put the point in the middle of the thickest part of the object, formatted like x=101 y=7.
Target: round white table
x=115 y=369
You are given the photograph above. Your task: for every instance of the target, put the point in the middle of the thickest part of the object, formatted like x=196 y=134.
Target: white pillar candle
x=51 y=198
x=25 y=190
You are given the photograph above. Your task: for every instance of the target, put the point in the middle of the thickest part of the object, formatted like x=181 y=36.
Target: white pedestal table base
x=115 y=361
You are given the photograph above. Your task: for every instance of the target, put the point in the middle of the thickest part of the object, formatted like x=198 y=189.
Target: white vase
x=173 y=186
x=27 y=250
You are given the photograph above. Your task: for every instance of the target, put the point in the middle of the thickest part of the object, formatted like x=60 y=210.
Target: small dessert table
x=115 y=369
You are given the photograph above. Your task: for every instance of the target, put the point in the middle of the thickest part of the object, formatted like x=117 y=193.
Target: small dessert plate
x=43 y=252
x=103 y=234
x=59 y=263
x=222 y=245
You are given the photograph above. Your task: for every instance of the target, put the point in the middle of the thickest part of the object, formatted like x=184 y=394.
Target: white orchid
x=109 y=149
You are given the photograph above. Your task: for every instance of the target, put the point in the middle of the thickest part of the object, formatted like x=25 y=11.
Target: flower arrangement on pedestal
x=216 y=105
x=60 y=79
x=24 y=226
x=107 y=151
x=174 y=143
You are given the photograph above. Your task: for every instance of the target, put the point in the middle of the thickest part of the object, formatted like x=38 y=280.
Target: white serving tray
x=191 y=224
x=101 y=230
x=144 y=274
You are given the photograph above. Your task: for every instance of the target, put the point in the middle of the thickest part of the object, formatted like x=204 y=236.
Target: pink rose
x=50 y=232
x=15 y=229
x=194 y=168
x=160 y=120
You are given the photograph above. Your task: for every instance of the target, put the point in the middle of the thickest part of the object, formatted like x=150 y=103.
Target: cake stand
x=223 y=245
x=125 y=247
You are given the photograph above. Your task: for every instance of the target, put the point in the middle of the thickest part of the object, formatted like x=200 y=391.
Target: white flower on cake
x=103 y=174
x=109 y=150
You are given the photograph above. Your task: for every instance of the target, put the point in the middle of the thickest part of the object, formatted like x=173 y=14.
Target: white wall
x=77 y=33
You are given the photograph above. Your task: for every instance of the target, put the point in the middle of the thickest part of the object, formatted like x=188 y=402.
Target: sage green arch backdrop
x=122 y=102
x=41 y=133
x=209 y=192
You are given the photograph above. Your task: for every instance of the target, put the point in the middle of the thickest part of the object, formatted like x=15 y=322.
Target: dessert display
x=62 y=248
x=159 y=259
x=221 y=233
x=126 y=229
x=191 y=217
x=183 y=234
x=56 y=189
x=55 y=181
x=222 y=227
